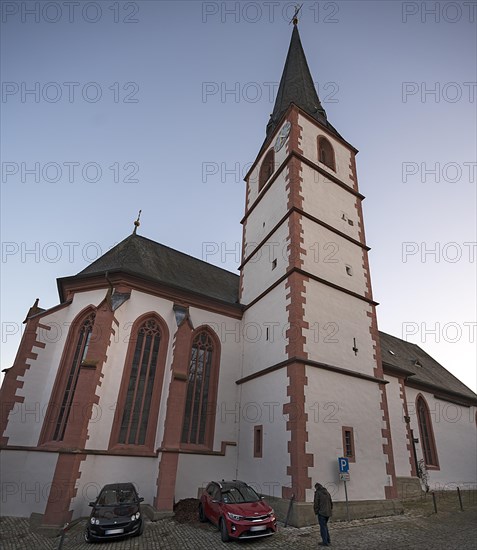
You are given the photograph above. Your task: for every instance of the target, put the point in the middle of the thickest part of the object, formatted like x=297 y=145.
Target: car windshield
x=116 y=497
x=236 y=495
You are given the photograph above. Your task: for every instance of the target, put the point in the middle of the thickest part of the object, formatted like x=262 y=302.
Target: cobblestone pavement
x=446 y=530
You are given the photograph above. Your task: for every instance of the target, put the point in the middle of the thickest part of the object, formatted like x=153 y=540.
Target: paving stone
x=446 y=530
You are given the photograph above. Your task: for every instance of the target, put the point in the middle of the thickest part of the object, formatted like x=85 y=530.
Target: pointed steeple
x=296 y=86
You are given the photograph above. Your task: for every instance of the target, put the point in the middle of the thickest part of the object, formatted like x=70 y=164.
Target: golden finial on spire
x=294 y=19
x=137 y=223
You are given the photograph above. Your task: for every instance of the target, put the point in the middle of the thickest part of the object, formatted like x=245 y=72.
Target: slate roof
x=148 y=259
x=297 y=86
x=430 y=372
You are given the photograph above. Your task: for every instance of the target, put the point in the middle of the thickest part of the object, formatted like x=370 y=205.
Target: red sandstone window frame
x=59 y=388
x=211 y=403
x=266 y=169
x=150 y=437
x=426 y=434
x=347 y=434
x=258 y=441
x=326 y=153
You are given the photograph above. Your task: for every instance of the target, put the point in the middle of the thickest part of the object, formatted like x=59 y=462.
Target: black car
x=116 y=513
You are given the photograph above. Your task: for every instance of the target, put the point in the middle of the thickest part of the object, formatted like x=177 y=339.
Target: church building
x=161 y=369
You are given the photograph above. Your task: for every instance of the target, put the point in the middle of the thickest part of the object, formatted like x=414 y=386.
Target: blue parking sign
x=343 y=464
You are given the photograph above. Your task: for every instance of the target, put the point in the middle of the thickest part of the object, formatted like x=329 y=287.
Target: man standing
x=323 y=506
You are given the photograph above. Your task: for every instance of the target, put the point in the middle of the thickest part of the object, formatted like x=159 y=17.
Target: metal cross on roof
x=294 y=19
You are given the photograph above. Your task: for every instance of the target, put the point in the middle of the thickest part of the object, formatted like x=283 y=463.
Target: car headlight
x=94 y=521
x=271 y=513
x=235 y=517
x=135 y=516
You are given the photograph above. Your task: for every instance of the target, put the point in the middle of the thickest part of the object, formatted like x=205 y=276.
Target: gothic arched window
x=199 y=413
x=62 y=396
x=139 y=397
x=326 y=154
x=428 y=444
x=83 y=338
x=267 y=169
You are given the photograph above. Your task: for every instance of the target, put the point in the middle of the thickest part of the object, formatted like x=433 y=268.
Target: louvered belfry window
x=198 y=390
x=267 y=169
x=140 y=386
x=326 y=154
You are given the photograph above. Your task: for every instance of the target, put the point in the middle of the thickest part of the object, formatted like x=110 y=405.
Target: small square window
x=274 y=264
x=349 y=270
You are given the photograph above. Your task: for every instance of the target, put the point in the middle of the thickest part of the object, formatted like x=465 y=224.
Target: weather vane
x=294 y=19
x=137 y=223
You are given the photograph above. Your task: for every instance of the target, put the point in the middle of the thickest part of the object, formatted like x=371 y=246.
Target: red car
x=237 y=510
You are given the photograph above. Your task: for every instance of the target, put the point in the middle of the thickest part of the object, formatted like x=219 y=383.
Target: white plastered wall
x=327 y=255
x=455 y=436
x=335 y=319
x=334 y=401
x=258 y=272
x=258 y=352
x=266 y=214
x=327 y=201
x=262 y=401
x=26 y=481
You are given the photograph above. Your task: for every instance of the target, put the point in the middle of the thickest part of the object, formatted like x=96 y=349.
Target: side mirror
x=91 y=503
x=141 y=499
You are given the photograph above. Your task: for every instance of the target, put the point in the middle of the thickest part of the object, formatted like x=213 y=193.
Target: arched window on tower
x=326 y=154
x=428 y=444
x=267 y=169
x=199 y=417
x=139 y=398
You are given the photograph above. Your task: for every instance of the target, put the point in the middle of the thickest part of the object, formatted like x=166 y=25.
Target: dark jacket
x=322 y=504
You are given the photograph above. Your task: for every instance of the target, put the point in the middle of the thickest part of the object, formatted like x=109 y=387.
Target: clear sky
x=110 y=107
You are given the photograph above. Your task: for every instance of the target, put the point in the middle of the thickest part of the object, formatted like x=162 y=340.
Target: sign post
x=343 y=465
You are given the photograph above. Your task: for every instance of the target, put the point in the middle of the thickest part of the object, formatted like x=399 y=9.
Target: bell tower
x=312 y=371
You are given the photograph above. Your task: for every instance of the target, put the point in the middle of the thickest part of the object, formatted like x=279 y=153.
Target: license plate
x=258 y=528
x=114 y=531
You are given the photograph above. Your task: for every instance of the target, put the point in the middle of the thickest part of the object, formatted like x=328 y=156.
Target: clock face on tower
x=282 y=136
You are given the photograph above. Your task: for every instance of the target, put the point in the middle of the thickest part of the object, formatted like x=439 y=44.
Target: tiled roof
x=148 y=259
x=422 y=368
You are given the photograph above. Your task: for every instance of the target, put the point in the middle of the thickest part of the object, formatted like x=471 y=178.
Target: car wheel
x=223 y=531
x=202 y=516
x=87 y=536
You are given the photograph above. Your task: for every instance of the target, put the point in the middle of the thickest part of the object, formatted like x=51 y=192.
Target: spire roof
x=296 y=86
